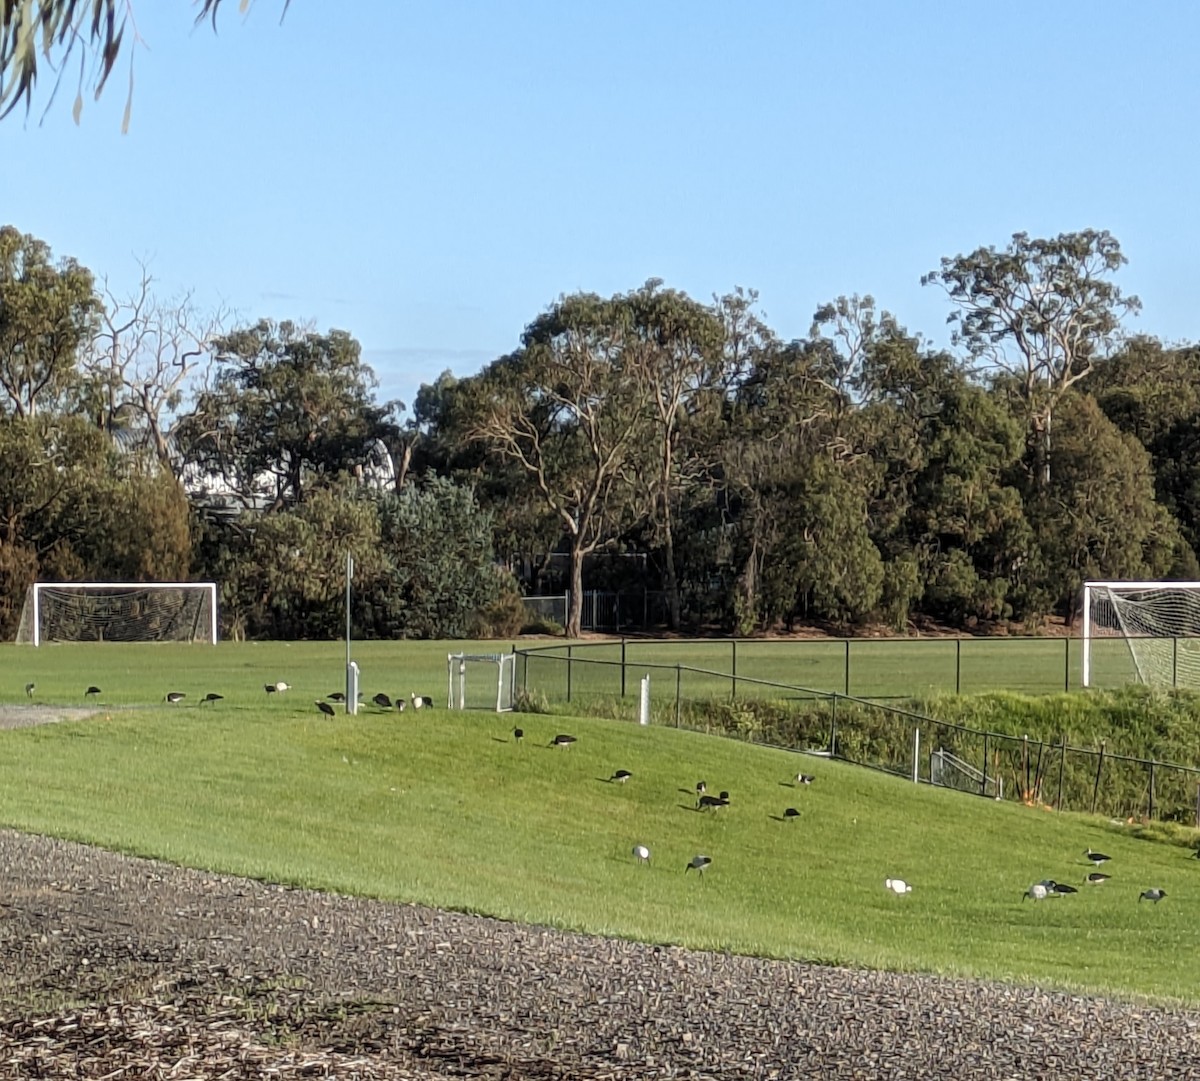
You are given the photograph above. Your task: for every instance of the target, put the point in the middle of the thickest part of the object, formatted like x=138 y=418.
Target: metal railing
x=865 y=731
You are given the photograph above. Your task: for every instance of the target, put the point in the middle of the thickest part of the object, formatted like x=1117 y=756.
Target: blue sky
x=430 y=176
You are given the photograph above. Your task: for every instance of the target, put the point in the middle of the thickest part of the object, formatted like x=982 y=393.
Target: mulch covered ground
x=112 y=967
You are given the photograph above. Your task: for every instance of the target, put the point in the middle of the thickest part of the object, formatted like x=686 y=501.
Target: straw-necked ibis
x=791 y=813
x=325 y=708
x=212 y=696
x=91 y=692
x=382 y=700
x=562 y=740
x=175 y=696
x=518 y=734
x=29 y=689
x=1097 y=857
x=1097 y=878
x=621 y=776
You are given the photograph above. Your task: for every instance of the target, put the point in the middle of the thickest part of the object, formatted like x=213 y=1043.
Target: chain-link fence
x=867 y=732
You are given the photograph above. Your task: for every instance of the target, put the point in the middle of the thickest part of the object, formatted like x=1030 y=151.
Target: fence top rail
x=1059 y=640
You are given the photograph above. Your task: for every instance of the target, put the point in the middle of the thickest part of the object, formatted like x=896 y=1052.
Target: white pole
x=37 y=615
x=916 y=769
x=449 y=680
x=212 y=589
x=644 y=702
x=1087 y=633
x=351 y=674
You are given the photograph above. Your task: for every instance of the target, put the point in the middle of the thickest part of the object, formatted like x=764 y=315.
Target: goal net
x=1146 y=632
x=481 y=681
x=119 y=612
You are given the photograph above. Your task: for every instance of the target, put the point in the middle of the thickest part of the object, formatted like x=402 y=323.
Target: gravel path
x=117 y=967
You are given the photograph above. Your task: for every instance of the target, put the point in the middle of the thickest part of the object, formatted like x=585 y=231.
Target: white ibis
x=562 y=740
x=382 y=700
x=641 y=853
x=804 y=778
x=91 y=691
x=621 y=776
x=697 y=864
x=175 y=696
x=421 y=701
x=791 y=813
x=897 y=885
x=29 y=689
x=1154 y=895
x=281 y=686
x=1097 y=857
x=1036 y=892
x=212 y=696
x=1097 y=878
x=325 y=708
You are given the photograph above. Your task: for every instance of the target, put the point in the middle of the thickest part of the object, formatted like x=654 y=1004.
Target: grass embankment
x=446 y=809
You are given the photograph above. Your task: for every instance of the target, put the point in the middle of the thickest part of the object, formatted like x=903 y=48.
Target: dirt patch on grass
x=16 y=716
x=119 y=967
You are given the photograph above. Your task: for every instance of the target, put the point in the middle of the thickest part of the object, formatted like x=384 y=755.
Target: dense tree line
x=855 y=475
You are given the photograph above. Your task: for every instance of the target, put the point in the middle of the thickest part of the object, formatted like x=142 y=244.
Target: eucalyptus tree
x=285 y=407
x=1042 y=312
x=675 y=351
x=48 y=311
x=1098 y=517
x=568 y=413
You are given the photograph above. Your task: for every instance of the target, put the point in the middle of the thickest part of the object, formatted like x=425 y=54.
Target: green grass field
x=862 y=667
x=446 y=809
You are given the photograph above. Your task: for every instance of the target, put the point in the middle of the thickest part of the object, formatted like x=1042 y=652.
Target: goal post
x=119 y=612
x=480 y=681
x=1145 y=632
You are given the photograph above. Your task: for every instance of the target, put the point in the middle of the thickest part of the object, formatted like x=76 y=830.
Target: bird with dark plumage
x=91 y=691
x=399 y=703
x=698 y=864
x=325 y=708
x=791 y=813
x=562 y=740
x=337 y=696
x=518 y=734
x=175 y=697
x=29 y=689
x=621 y=776
x=1097 y=857
x=701 y=788
x=382 y=701
x=1061 y=888
x=1097 y=878
x=212 y=697
x=1154 y=895
x=269 y=688
x=723 y=796
x=711 y=803
x=421 y=701
x=804 y=778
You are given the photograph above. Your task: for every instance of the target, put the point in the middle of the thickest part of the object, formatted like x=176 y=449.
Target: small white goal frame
x=1090 y=588
x=38 y=587
x=456 y=678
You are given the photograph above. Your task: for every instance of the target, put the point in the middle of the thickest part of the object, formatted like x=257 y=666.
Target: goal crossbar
x=36 y=602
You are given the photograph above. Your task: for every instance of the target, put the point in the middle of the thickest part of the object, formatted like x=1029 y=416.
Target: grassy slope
x=444 y=809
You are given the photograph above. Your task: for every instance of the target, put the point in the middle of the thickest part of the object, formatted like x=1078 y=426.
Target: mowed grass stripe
x=446 y=809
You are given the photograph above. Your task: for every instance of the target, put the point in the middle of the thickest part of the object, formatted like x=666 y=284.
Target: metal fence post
x=833 y=726
x=983 y=775
x=678 y=695
x=1096 y=785
x=958 y=666
x=1062 y=761
x=847 y=680
x=1067 y=663
x=568 y=673
x=1150 y=811
x=622 y=667
x=1174 y=662
x=733 y=672
x=916 y=767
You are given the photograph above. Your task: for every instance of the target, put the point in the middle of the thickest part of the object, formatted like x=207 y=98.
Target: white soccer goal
x=1146 y=632
x=119 y=612
x=950 y=771
x=481 y=680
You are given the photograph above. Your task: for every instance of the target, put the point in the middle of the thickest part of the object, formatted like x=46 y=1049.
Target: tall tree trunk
x=673 y=604
x=575 y=609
